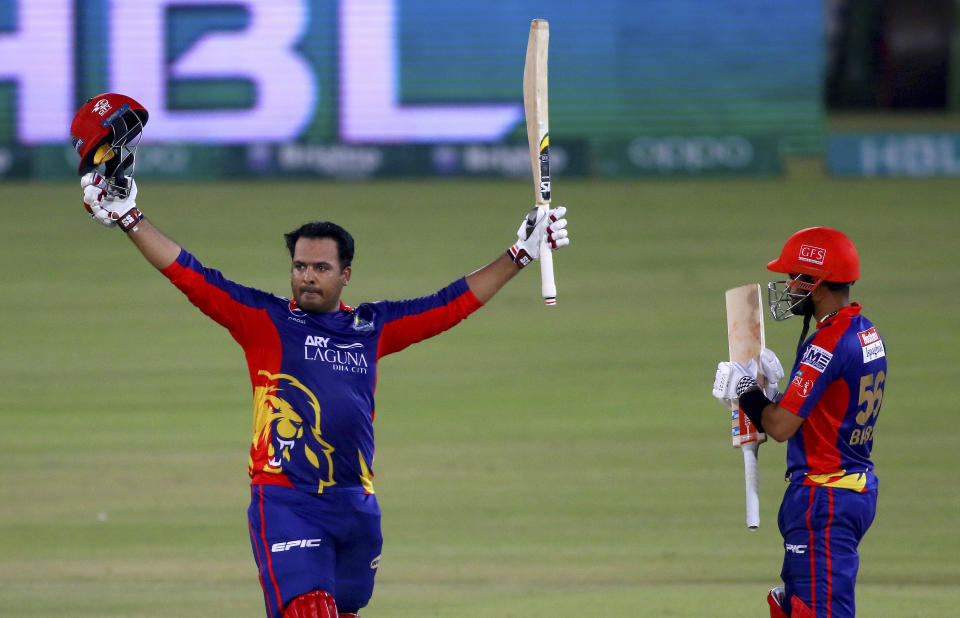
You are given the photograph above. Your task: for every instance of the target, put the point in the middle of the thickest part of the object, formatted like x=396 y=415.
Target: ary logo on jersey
x=814 y=255
x=817 y=358
x=871 y=344
x=347 y=357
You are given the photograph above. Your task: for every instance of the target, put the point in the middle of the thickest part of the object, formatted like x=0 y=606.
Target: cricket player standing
x=828 y=414
x=313 y=517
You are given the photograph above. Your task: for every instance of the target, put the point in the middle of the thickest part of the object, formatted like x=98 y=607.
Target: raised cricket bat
x=538 y=138
x=745 y=341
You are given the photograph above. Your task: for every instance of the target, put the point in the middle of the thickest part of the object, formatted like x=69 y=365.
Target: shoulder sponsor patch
x=802 y=386
x=871 y=344
x=816 y=357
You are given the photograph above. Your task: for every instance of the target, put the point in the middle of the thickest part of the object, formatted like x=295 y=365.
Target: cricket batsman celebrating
x=314 y=519
x=828 y=414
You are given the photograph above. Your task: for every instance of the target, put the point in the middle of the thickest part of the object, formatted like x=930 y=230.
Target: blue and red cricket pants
x=822 y=528
x=303 y=542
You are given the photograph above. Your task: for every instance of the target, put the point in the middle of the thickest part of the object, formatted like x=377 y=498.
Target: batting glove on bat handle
x=772 y=372
x=540 y=221
x=733 y=379
x=109 y=210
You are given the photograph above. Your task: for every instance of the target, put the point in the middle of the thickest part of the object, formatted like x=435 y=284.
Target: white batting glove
x=94 y=187
x=109 y=210
x=733 y=379
x=772 y=370
x=539 y=221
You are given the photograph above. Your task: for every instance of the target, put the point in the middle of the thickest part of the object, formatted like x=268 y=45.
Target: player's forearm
x=154 y=244
x=487 y=281
x=780 y=423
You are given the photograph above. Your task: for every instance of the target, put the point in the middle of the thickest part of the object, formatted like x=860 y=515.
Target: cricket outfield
x=556 y=462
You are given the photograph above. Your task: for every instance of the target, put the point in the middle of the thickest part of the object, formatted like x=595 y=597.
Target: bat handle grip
x=548 y=286
x=751 y=481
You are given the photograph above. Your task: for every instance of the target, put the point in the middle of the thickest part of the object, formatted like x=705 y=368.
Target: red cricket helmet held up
x=821 y=252
x=103 y=128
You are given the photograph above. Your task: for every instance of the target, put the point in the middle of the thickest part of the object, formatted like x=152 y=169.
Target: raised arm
x=487 y=281
x=154 y=245
x=112 y=211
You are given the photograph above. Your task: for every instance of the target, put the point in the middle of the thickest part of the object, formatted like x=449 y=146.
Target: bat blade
x=536 y=109
x=745 y=341
x=744 y=322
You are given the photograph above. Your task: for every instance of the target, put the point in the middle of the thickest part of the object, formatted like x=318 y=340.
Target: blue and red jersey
x=837 y=385
x=314 y=374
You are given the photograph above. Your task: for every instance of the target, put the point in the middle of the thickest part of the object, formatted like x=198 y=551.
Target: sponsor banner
x=376 y=72
x=688 y=156
x=916 y=155
x=165 y=161
x=319 y=160
x=15 y=162
x=509 y=160
x=643 y=156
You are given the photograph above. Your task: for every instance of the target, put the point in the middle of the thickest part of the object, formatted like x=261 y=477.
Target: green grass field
x=559 y=462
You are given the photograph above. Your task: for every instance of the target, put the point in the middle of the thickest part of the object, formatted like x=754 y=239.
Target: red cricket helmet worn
x=103 y=126
x=820 y=252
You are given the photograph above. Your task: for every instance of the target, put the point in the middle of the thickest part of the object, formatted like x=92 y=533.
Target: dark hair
x=324 y=229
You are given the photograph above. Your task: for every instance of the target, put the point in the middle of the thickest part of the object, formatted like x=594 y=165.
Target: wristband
x=752 y=404
x=519 y=256
x=129 y=220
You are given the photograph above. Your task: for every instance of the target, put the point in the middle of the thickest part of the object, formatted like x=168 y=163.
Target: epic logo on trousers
x=288 y=545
